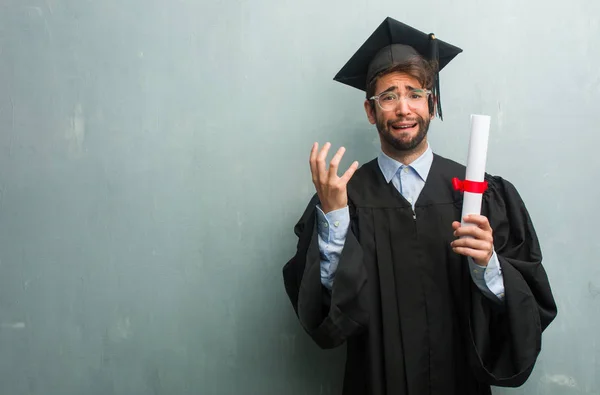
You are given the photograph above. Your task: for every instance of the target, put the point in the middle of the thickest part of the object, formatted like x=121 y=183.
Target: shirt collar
x=389 y=167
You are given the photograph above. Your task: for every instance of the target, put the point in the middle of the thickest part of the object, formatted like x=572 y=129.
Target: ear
x=370 y=110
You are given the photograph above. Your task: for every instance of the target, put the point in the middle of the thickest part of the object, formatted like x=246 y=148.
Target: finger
x=321 y=170
x=349 y=173
x=478 y=220
x=474 y=244
x=470 y=230
x=477 y=255
x=335 y=162
x=456 y=225
x=313 y=161
x=473 y=231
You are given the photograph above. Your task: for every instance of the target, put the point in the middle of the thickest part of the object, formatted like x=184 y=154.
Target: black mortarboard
x=392 y=43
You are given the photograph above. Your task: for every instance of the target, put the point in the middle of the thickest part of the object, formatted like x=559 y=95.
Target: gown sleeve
x=505 y=340
x=329 y=317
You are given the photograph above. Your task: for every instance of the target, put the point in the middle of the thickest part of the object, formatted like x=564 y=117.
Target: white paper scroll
x=478 y=145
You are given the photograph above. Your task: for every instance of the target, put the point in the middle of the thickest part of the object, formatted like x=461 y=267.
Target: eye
x=417 y=94
x=387 y=97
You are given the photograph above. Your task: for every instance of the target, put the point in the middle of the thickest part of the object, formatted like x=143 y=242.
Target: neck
x=405 y=157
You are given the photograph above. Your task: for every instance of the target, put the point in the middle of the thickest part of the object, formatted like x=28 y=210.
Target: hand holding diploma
x=475 y=238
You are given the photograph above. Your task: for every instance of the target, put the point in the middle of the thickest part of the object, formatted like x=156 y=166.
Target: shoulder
x=364 y=174
x=501 y=192
x=497 y=184
x=449 y=163
x=502 y=199
x=500 y=186
x=368 y=187
x=448 y=168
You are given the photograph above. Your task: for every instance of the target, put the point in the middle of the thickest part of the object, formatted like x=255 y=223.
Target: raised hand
x=330 y=188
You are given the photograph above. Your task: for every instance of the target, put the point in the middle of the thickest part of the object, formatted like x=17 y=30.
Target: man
x=423 y=304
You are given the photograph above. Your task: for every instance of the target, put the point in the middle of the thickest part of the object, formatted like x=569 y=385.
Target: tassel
x=434 y=56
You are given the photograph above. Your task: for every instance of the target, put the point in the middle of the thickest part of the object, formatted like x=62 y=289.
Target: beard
x=385 y=127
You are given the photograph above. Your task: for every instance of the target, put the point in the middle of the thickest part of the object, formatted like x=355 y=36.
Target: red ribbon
x=469 y=186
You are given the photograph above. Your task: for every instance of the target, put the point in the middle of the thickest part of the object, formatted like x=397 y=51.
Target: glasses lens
x=417 y=98
x=388 y=101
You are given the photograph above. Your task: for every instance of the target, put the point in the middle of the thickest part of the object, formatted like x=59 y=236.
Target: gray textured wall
x=153 y=160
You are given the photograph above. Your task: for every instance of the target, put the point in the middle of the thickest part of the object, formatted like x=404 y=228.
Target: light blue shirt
x=409 y=180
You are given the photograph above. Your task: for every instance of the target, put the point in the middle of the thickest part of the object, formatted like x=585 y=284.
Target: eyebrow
x=391 y=88
x=394 y=87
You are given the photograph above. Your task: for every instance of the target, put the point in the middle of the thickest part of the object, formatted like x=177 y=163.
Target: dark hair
x=416 y=67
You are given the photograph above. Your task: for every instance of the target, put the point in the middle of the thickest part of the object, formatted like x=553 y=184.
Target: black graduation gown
x=405 y=304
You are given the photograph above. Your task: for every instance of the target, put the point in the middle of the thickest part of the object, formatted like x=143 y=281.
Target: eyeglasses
x=415 y=98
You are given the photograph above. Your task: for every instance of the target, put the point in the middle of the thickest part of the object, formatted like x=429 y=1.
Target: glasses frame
x=376 y=97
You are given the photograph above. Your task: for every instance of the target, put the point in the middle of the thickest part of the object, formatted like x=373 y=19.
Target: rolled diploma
x=478 y=144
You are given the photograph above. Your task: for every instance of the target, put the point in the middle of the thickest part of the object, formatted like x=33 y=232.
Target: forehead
x=397 y=79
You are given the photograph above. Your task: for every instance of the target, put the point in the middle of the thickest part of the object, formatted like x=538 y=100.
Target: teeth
x=404 y=126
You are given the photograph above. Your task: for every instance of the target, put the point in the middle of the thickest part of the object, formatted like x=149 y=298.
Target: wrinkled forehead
x=396 y=82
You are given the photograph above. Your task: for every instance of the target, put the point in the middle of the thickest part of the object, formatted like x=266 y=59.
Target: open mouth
x=403 y=126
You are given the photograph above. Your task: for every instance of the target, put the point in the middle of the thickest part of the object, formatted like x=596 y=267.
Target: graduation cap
x=393 y=43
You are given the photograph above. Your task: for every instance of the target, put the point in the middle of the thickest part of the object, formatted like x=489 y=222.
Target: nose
x=402 y=108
